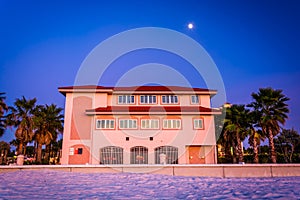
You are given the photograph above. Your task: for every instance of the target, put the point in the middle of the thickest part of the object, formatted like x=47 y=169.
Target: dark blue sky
x=254 y=43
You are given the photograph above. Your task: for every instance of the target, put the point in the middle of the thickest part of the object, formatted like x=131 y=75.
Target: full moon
x=190 y=26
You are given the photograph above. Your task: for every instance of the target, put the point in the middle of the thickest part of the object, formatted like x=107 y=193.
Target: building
x=138 y=125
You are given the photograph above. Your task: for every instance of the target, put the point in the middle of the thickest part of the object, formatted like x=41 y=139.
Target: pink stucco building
x=138 y=125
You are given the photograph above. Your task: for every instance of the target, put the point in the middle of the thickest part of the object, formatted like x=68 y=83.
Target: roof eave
x=89 y=112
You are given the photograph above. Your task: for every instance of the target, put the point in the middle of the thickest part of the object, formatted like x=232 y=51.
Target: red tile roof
x=153 y=109
x=136 y=88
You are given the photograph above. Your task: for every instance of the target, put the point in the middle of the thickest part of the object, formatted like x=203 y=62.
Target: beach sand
x=48 y=184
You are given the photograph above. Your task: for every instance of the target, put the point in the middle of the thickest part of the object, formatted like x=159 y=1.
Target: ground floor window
x=111 y=155
x=166 y=155
x=138 y=155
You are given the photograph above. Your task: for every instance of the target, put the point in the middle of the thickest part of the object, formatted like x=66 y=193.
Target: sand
x=48 y=184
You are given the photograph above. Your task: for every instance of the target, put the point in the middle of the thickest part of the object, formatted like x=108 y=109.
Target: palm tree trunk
x=35 y=149
x=234 y=156
x=39 y=153
x=291 y=155
x=47 y=152
x=239 y=148
x=272 y=152
x=24 y=149
x=20 y=148
x=5 y=156
x=1 y=158
x=228 y=155
x=285 y=154
x=255 y=150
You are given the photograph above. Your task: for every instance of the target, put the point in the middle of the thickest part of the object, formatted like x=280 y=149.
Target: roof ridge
x=138 y=88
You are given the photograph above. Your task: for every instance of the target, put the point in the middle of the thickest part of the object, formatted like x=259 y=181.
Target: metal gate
x=169 y=153
x=139 y=155
x=111 y=155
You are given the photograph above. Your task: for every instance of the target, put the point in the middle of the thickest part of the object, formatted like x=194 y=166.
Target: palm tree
x=4 y=151
x=48 y=124
x=15 y=143
x=236 y=126
x=21 y=117
x=286 y=141
x=255 y=135
x=272 y=107
x=3 y=109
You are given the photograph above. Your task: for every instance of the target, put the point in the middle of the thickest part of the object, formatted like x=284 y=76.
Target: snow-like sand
x=47 y=184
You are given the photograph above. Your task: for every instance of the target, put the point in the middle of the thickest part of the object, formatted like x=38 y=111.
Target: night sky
x=253 y=43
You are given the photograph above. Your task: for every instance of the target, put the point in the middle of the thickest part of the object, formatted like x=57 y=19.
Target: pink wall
x=80 y=158
x=81 y=123
x=80 y=129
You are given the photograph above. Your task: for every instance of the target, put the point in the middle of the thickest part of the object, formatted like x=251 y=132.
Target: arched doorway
x=111 y=155
x=139 y=155
x=166 y=155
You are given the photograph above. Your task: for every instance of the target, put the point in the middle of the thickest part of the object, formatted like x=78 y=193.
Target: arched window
x=166 y=155
x=111 y=155
x=139 y=155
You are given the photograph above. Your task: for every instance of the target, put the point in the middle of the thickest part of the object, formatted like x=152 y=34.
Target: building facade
x=138 y=125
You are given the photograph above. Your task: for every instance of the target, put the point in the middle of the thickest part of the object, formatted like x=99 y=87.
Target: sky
x=254 y=44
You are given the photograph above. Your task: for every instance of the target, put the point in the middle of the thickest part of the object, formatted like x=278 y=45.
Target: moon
x=190 y=26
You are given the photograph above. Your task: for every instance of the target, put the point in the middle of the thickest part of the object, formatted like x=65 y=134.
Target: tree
x=48 y=122
x=255 y=138
x=235 y=128
x=21 y=117
x=286 y=141
x=221 y=140
x=15 y=143
x=255 y=135
x=4 y=150
x=3 y=109
x=272 y=107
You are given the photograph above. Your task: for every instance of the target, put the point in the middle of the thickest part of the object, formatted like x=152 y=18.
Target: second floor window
x=105 y=124
x=126 y=99
x=195 y=99
x=198 y=123
x=127 y=123
x=169 y=99
x=149 y=124
x=148 y=99
x=172 y=124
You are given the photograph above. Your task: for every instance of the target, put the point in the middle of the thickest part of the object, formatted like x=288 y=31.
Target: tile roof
x=152 y=109
x=136 y=88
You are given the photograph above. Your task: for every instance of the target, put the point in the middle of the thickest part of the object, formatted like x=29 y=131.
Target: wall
x=223 y=171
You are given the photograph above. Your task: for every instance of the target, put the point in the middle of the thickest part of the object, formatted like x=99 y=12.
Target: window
x=79 y=151
x=169 y=99
x=105 y=124
x=172 y=123
x=148 y=99
x=198 y=123
x=126 y=99
x=195 y=99
x=149 y=124
x=127 y=123
x=111 y=155
x=139 y=155
x=166 y=155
